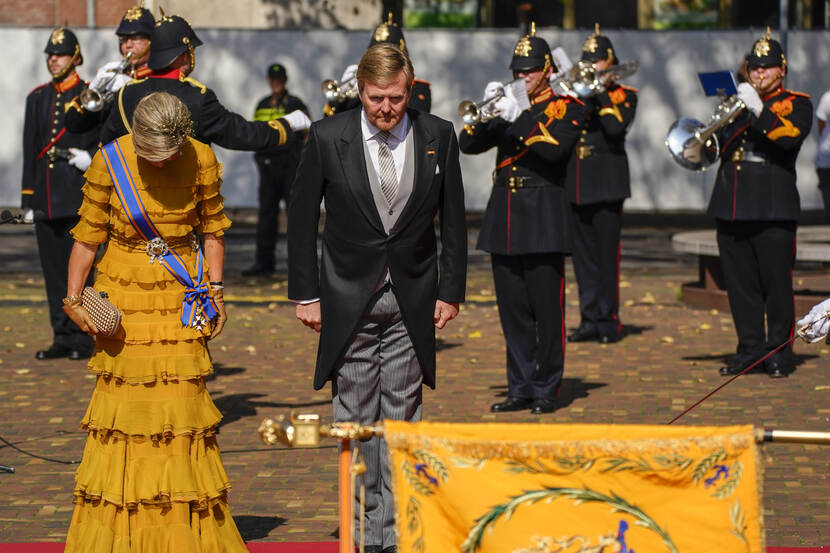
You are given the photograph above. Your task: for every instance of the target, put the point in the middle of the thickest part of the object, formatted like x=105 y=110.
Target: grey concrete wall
x=458 y=64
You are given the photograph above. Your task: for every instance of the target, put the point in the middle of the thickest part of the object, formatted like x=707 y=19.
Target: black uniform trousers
x=824 y=186
x=55 y=244
x=757 y=259
x=530 y=292
x=596 y=261
x=275 y=176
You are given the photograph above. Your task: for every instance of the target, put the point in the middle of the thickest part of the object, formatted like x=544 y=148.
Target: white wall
x=458 y=64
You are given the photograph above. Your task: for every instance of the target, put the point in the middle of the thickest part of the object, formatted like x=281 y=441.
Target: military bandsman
x=755 y=203
x=526 y=223
x=598 y=183
x=54 y=159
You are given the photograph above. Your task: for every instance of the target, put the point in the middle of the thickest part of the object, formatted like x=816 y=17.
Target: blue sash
x=197 y=302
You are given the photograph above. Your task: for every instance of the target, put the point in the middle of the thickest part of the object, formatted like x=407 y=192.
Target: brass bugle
x=337 y=92
x=92 y=99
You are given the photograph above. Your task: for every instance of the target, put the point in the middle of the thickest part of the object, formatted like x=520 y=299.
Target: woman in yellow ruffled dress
x=151 y=478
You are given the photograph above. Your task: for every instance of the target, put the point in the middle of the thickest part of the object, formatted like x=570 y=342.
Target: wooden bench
x=709 y=291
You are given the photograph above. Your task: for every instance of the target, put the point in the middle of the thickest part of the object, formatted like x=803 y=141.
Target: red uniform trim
x=51 y=143
x=795 y=93
x=509 y=194
x=733 y=137
x=734 y=190
x=67 y=83
x=142 y=72
x=168 y=74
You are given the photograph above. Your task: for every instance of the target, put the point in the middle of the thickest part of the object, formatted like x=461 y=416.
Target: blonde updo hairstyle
x=161 y=125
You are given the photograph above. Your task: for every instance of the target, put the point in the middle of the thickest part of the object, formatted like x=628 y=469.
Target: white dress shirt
x=398 y=135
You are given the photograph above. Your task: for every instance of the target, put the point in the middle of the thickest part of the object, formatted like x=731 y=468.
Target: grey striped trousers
x=378 y=378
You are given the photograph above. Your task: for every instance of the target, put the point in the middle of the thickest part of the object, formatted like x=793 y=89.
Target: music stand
x=718 y=83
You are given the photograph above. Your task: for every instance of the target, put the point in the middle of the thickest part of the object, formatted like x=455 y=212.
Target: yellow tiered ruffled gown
x=151 y=479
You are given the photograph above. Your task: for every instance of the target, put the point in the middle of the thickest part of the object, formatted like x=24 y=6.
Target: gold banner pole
x=763 y=435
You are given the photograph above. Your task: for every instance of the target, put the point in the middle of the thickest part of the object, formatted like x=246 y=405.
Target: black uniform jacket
x=50 y=185
x=269 y=109
x=598 y=167
x=528 y=210
x=79 y=119
x=212 y=123
x=421 y=100
x=764 y=189
x=355 y=247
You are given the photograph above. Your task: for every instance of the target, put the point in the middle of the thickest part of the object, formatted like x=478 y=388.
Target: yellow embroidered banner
x=533 y=488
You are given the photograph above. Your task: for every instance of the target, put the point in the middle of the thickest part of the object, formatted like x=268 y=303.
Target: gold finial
x=390 y=19
x=596 y=28
x=767 y=36
x=532 y=28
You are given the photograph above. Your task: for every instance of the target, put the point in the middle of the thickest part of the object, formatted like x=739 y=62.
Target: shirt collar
x=369 y=131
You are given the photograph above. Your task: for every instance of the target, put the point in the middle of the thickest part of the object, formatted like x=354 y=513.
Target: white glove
x=492 y=88
x=507 y=107
x=297 y=120
x=29 y=216
x=349 y=73
x=106 y=72
x=817 y=320
x=749 y=96
x=79 y=159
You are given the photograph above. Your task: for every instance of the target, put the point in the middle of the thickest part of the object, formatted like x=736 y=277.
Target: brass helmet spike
x=596 y=28
x=390 y=18
x=161 y=11
x=767 y=36
x=532 y=28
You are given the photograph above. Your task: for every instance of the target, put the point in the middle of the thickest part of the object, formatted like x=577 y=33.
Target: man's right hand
x=348 y=74
x=310 y=315
x=297 y=120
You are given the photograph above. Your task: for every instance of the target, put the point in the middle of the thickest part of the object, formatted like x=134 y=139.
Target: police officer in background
x=388 y=31
x=172 y=59
x=598 y=183
x=756 y=205
x=526 y=223
x=276 y=170
x=54 y=159
x=134 y=40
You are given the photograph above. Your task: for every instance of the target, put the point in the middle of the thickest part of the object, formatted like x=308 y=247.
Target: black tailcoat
x=355 y=247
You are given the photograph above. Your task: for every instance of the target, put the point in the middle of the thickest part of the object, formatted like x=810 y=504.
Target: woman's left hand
x=222 y=317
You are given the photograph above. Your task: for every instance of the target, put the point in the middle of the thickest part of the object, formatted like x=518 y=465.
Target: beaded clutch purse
x=104 y=314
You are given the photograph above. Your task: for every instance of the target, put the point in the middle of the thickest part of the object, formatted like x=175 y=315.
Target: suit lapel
x=425 y=159
x=353 y=161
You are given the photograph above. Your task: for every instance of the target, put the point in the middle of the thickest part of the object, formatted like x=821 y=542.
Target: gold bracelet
x=72 y=300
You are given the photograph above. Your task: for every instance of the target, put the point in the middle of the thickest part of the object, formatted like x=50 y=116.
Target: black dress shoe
x=76 y=354
x=543 y=406
x=511 y=404
x=257 y=269
x=731 y=370
x=390 y=549
x=583 y=334
x=610 y=338
x=55 y=351
x=370 y=549
x=778 y=370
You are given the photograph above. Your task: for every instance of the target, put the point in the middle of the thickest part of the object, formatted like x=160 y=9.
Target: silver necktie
x=386 y=168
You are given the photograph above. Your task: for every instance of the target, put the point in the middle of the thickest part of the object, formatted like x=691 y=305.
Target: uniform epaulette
x=795 y=93
x=135 y=81
x=629 y=88
x=420 y=81
x=35 y=89
x=195 y=83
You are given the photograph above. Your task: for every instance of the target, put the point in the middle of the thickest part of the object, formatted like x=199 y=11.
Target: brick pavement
x=264 y=365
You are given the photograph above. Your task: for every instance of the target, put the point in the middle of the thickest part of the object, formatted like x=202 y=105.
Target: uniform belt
x=751 y=157
x=584 y=150
x=516 y=182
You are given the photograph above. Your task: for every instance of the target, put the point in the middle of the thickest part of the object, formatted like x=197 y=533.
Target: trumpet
x=472 y=112
x=337 y=92
x=586 y=80
x=92 y=99
x=694 y=145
